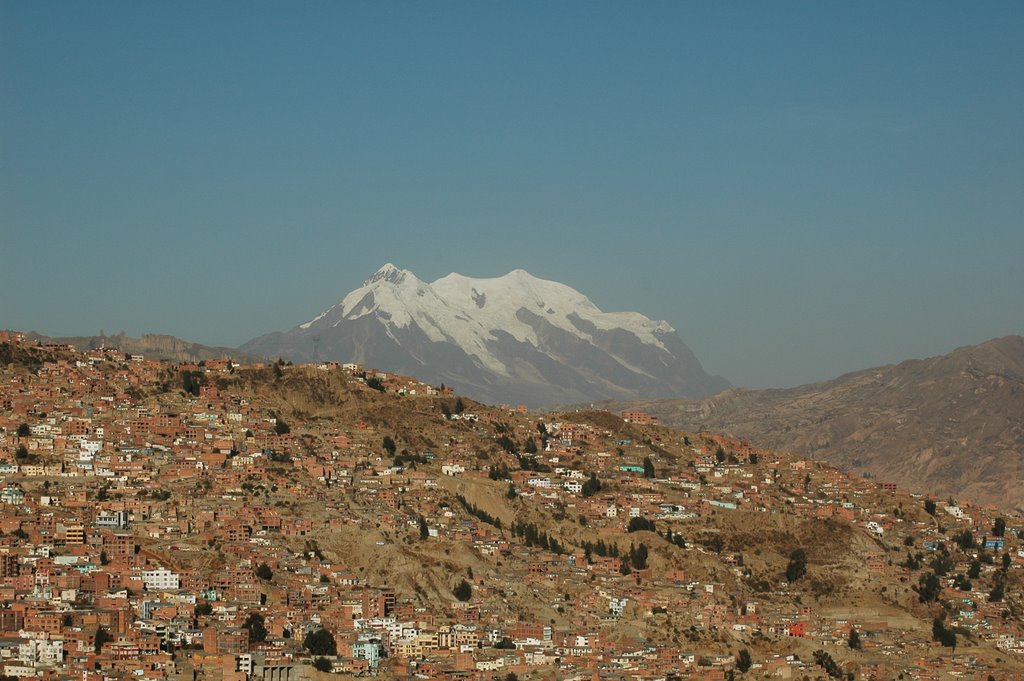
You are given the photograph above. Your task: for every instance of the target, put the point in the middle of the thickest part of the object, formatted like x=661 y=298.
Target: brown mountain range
x=152 y=346
x=950 y=425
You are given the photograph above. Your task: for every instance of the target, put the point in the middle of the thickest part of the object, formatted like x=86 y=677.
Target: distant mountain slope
x=152 y=346
x=952 y=424
x=515 y=338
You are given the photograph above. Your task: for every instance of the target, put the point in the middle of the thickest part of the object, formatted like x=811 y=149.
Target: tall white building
x=160 y=578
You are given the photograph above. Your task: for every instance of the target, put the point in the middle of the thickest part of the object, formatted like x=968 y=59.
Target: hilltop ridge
x=952 y=425
x=153 y=345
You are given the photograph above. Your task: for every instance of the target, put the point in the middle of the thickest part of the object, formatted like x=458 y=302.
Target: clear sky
x=801 y=189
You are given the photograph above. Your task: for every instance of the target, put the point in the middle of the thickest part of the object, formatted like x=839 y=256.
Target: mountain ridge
x=151 y=345
x=513 y=338
x=951 y=424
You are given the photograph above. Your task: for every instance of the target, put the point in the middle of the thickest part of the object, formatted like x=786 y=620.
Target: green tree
x=281 y=428
x=743 y=661
x=424 y=530
x=509 y=445
x=639 y=524
x=797 y=567
x=320 y=642
x=965 y=540
x=929 y=507
x=648 y=467
x=825 y=661
x=264 y=572
x=942 y=563
x=102 y=636
x=389 y=445
x=257 y=628
x=928 y=588
x=997 y=592
x=21 y=453
x=24 y=430
x=322 y=664
x=715 y=543
x=639 y=557
x=463 y=591
x=854 y=640
x=191 y=381
x=592 y=486
x=999 y=527
x=942 y=635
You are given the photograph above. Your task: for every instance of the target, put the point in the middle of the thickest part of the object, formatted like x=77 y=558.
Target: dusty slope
x=952 y=425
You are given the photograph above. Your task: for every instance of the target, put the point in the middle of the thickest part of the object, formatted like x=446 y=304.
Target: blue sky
x=801 y=189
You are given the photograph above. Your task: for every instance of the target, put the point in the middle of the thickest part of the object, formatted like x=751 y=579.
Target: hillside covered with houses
x=230 y=522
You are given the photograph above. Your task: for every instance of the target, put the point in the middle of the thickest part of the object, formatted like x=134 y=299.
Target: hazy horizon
x=800 y=190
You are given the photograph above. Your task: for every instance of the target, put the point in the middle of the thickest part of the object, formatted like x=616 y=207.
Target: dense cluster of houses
x=153 y=532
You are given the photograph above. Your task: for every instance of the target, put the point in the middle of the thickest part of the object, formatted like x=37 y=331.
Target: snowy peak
x=390 y=274
x=498 y=301
x=470 y=312
x=518 y=287
x=507 y=335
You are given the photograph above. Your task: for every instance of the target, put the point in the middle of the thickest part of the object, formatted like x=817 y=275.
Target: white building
x=160 y=578
x=42 y=652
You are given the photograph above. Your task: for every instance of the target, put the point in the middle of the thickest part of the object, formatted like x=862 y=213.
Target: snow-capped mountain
x=515 y=339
